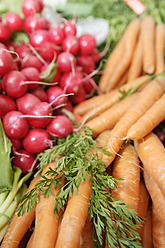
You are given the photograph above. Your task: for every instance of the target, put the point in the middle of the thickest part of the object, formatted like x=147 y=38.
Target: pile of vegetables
x=100 y=183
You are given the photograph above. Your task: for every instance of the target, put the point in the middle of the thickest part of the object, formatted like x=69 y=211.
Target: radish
x=15 y=126
x=31 y=7
x=16 y=144
x=56 y=35
x=70 y=44
x=55 y=92
x=14 y=21
x=25 y=102
x=7 y=104
x=25 y=160
x=39 y=37
x=69 y=28
x=31 y=61
x=31 y=74
x=34 y=22
x=66 y=62
x=22 y=49
x=5 y=33
x=89 y=85
x=36 y=140
x=6 y=60
x=48 y=51
x=60 y=126
x=40 y=93
x=87 y=44
x=86 y=62
x=61 y=110
x=12 y=84
x=79 y=97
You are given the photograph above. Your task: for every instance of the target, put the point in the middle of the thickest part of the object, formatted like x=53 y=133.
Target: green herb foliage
x=80 y=158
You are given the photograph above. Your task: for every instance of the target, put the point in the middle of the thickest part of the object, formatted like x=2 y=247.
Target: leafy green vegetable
x=77 y=162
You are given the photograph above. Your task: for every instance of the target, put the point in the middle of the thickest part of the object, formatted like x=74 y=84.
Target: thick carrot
x=127 y=167
x=114 y=96
x=135 y=69
x=147 y=230
x=30 y=241
x=148 y=95
x=131 y=35
x=123 y=80
x=160 y=47
x=46 y=222
x=19 y=224
x=151 y=118
x=109 y=118
x=152 y=154
x=148 y=44
x=158 y=199
x=86 y=239
x=101 y=141
x=158 y=230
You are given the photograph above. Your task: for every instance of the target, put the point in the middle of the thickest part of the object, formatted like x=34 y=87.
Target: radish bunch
x=52 y=72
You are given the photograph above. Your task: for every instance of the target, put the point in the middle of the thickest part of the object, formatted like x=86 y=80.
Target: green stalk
x=3 y=231
x=3 y=197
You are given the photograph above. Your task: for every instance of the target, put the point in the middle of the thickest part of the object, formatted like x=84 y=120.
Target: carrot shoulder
x=147 y=96
x=19 y=224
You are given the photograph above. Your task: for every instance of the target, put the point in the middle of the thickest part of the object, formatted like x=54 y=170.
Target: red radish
x=25 y=160
x=89 y=85
x=86 y=62
x=22 y=49
x=39 y=37
x=30 y=7
x=5 y=33
x=69 y=28
x=15 y=126
x=80 y=96
x=6 y=60
x=70 y=44
x=71 y=83
x=95 y=55
x=10 y=45
x=12 y=84
x=25 y=102
x=40 y=93
x=34 y=22
x=61 y=111
x=31 y=61
x=57 y=75
x=87 y=44
x=56 y=35
x=31 y=74
x=14 y=21
x=7 y=104
x=66 y=62
x=60 y=126
x=48 y=51
x=16 y=144
x=36 y=140
x=55 y=92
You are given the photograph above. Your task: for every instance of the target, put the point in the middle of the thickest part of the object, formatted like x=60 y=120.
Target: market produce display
x=82 y=133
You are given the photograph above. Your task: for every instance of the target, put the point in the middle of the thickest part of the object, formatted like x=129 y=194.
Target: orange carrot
x=147 y=230
x=127 y=167
x=148 y=44
x=114 y=96
x=101 y=141
x=123 y=80
x=148 y=95
x=46 y=222
x=86 y=240
x=160 y=47
x=30 y=241
x=109 y=118
x=151 y=118
x=74 y=217
x=158 y=230
x=19 y=224
x=135 y=69
x=158 y=199
x=131 y=35
x=152 y=154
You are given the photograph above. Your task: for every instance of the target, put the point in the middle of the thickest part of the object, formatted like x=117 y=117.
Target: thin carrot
x=114 y=96
x=101 y=141
x=19 y=224
x=147 y=230
x=30 y=241
x=135 y=69
x=131 y=35
x=123 y=80
x=148 y=44
x=158 y=199
x=86 y=240
x=151 y=119
x=127 y=167
x=148 y=95
x=109 y=118
x=46 y=222
x=160 y=47
x=158 y=230
x=152 y=154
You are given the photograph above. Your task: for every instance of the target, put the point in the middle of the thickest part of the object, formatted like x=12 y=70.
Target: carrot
x=86 y=240
x=114 y=96
x=158 y=199
x=30 y=241
x=151 y=118
x=160 y=47
x=147 y=230
x=148 y=95
x=101 y=141
x=135 y=69
x=46 y=222
x=123 y=80
x=131 y=35
x=127 y=167
x=109 y=118
x=19 y=224
x=158 y=230
x=152 y=154
x=148 y=44
x=74 y=217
